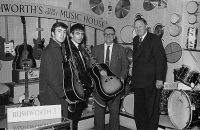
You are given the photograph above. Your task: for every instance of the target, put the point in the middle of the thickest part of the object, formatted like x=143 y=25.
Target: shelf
x=191 y=50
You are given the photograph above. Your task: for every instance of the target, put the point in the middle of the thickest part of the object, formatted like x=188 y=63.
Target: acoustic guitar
x=76 y=88
x=7 y=51
x=107 y=84
x=38 y=43
x=24 y=52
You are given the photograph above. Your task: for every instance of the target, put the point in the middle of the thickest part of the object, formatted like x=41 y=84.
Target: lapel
x=142 y=46
x=101 y=53
x=113 y=55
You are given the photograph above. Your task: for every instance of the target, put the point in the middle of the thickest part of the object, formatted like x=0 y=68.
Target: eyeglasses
x=109 y=34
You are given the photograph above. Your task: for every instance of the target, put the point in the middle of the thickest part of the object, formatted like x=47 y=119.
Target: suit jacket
x=118 y=62
x=149 y=61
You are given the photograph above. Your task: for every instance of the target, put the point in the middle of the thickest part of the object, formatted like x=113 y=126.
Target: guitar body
x=38 y=48
x=38 y=43
x=24 y=52
x=22 y=56
x=74 y=89
x=108 y=85
x=7 y=51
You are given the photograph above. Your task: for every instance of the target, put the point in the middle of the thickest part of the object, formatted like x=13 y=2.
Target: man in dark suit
x=118 y=63
x=149 y=70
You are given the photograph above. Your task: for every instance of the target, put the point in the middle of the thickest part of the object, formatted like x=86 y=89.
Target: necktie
x=107 y=55
x=140 y=41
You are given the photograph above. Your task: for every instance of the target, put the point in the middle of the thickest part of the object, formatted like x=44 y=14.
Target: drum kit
x=181 y=103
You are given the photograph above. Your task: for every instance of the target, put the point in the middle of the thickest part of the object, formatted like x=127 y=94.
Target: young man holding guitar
x=114 y=56
x=78 y=84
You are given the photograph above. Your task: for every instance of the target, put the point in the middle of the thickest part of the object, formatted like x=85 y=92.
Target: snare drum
x=128 y=104
x=184 y=108
x=4 y=94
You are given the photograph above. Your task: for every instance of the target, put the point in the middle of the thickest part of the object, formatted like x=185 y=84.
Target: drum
x=175 y=18
x=182 y=86
x=182 y=73
x=4 y=94
x=184 y=108
x=192 y=7
x=128 y=104
x=192 y=38
x=165 y=93
x=175 y=30
x=192 y=19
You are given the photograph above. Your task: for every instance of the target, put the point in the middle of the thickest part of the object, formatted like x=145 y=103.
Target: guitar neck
x=24 y=31
x=6 y=29
x=26 y=86
x=39 y=29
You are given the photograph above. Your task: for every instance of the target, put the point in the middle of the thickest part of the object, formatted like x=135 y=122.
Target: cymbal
x=148 y=5
x=97 y=6
x=122 y=8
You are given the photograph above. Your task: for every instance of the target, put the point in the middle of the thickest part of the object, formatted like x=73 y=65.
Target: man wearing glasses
x=114 y=56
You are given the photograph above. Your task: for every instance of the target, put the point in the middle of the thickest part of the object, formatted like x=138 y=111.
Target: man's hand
x=159 y=84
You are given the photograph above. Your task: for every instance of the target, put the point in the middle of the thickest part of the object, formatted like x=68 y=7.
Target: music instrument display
x=192 y=38
x=128 y=104
x=24 y=99
x=24 y=52
x=108 y=85
x=187 y=76
x=165 y=93
x=4 y=94
x=38 y=43
x=184 y=108
x=7 y=51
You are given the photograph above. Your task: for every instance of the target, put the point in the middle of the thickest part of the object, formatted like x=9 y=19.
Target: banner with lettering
x=13 y=8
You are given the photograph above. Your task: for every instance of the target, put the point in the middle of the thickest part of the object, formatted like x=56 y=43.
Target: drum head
x=127 y=34
x=192 y=7
x=3 y=88
x=179 y=109
x=128 y=103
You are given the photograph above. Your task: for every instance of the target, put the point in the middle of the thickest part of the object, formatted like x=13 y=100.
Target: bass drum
x=128 y=104
x=4 y=94
x=184 y=108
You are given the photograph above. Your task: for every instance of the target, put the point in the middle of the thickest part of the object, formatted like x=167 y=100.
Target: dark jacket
x=149 y=61
x=51 y=75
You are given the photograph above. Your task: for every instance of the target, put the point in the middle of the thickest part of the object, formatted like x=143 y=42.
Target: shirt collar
x=143 y=36
x=105 y=45
x=76 y=44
